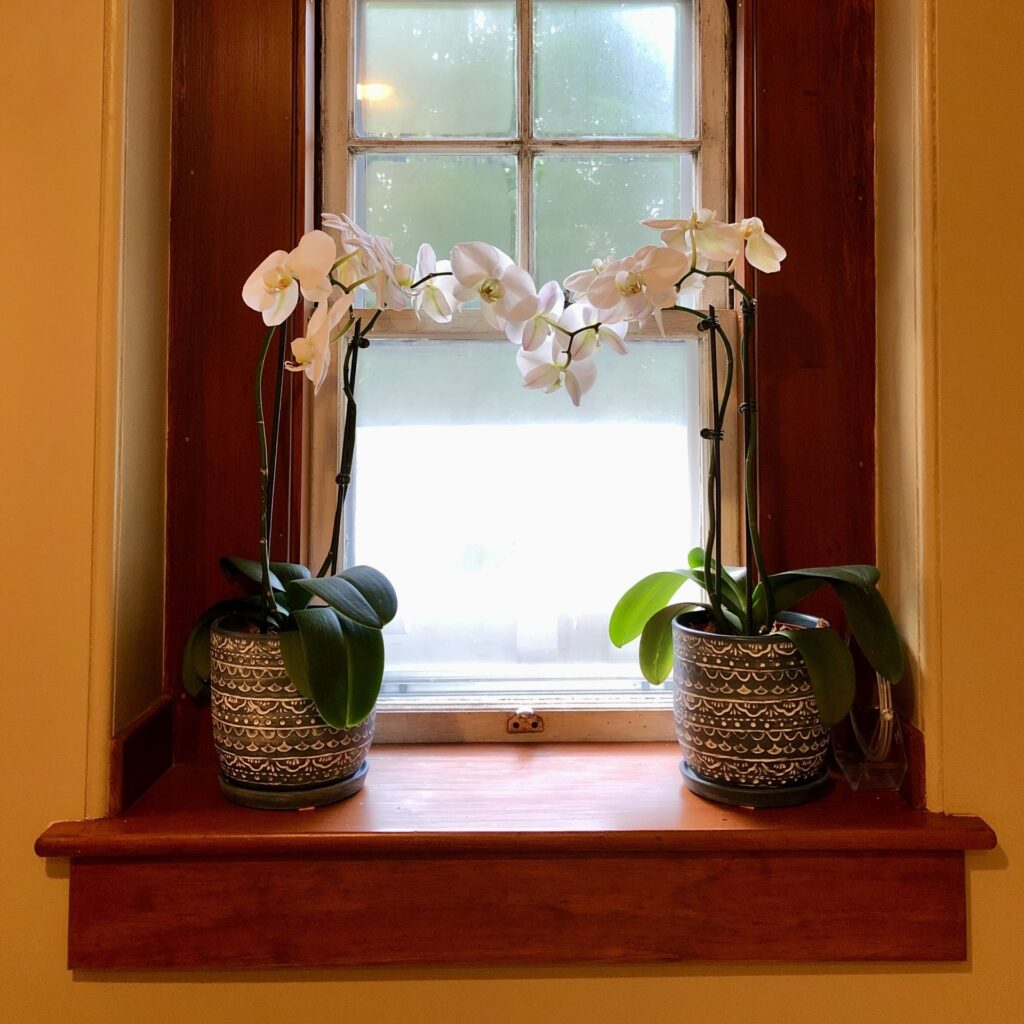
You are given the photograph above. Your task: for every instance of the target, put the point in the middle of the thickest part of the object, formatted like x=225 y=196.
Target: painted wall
x=50 y=181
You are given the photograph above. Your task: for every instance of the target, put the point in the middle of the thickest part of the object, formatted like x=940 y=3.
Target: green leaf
x=326 y=665
x=195 y=661
x=785 y=594
x=376 y=588
x=872 y=624
x=640 y=602
x=288 y=571
x=248 y=570
x=829 y=667
x=295 y=661
x=340 y=594
x=364 y=652
x=734 y=596
x=656 y=654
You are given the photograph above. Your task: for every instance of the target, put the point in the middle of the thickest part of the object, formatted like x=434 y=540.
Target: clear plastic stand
x=869 y=746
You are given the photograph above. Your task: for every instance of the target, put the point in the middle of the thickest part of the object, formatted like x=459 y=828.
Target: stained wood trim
x=140 y=753
x=560 y=854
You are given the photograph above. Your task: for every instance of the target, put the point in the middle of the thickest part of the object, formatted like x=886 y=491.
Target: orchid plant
x=333 y=650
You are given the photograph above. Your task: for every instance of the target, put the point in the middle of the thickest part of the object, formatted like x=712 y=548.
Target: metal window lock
x=525 y=720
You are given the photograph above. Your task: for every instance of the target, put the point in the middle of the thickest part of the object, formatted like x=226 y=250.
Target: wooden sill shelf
x=486 y=854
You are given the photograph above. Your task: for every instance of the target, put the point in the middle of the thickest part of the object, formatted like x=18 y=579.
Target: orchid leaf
x=364 y=654
x=785 y=594
x=376 y=588
x=248 y=569
x=641 y=601
x=829 y=668
x=295 y=665
x=656 y=651
x=195 y=662
x=288 y=571
x=321 y=666
x=340 y=594
x=872 y=625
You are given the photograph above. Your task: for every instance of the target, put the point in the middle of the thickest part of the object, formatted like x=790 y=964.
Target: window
x=510 y=521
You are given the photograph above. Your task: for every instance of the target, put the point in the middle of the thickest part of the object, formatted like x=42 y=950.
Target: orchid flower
x=312 y=354
x=532 y=334
x=273 y=287
x=435 y=297
x=586 y=342
x=506 y=291
x=700 y=235
x=762 y=251
x=638 y=286
x=578 y=283
x=549 y=367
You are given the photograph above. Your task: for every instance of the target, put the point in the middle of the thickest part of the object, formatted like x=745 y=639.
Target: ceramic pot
x=746 y=716
x=274 y=749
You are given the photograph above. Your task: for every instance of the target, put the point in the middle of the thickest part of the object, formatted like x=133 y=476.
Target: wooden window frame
x=243 y=173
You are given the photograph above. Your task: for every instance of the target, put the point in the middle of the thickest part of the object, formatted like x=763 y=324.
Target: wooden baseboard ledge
x=487 y=855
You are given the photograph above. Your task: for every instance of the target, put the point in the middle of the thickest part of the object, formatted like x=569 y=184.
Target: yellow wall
x=50 y=187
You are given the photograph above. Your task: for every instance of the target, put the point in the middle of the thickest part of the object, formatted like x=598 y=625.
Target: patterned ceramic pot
x=746 y=716
x=273 y=747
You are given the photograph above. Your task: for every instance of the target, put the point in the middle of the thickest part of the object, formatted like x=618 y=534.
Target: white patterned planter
x=266 y=734
x=745 y=713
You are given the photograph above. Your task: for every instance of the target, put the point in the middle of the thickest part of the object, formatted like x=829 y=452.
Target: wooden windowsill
x=490 y=854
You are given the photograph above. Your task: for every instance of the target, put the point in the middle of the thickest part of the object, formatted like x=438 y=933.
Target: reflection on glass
x=589 y=207
x=435 y=69
x=613 y=68
x=511 y=522
x=437 y=199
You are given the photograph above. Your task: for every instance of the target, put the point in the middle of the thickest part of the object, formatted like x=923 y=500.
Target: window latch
x=525 y=720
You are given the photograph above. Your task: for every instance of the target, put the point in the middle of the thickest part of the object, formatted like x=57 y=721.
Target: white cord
x=881 y=740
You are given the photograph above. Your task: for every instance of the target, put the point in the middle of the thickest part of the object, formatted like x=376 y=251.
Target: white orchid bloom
x=273 y=287
x=762 y=251
x=548 y=368
x=638 y=286
x=700 y=235
x=506 y=291
x=436 y=297
x=535 y=331
x=578 y=283
x=586 y=342
x=312 y=354
x=368 y=260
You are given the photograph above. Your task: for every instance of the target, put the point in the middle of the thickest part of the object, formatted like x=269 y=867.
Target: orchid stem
x=275 y=431
x=266 y=595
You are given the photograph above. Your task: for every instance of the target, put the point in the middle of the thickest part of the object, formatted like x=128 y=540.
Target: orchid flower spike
x=638 y=286
x=700 y=236
x=273 y=287
x=582 y=315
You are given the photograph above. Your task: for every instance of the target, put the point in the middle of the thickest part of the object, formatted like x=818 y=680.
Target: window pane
x=435 y=69
x=437 y=199
x=511 y=522
x=613 y=68
x=589 y=207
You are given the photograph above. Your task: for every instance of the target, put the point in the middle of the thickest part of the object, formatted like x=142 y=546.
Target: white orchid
x=638 y=286
x=273 y=288
x=369 y=260
x=532 y=333
x=549 y=367
x=436 y=296
x=506 y=291
x=700 y=235
x=578 y=283
x=582 y=315
x=312 y=354
x=762 y=251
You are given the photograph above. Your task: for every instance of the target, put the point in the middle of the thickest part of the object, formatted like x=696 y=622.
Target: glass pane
x=435 y=69
x=492 y=510
x=589 y=207
x=613 y=68
x=437 y=199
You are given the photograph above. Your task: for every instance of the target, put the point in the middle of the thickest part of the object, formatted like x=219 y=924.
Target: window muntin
x=554 y=198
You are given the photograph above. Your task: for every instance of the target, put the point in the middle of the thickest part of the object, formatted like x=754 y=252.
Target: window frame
x=626 y=717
